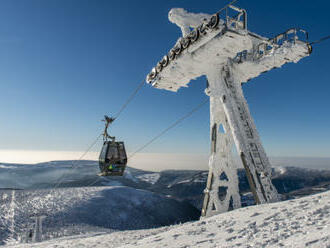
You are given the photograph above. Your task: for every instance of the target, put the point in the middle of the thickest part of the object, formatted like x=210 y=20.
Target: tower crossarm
x=218 y=40
x=265 y=55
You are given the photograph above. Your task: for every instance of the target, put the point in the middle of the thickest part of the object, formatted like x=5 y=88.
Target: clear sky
x=66 y=63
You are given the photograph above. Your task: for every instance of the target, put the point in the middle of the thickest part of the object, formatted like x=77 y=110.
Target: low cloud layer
x=152 y=161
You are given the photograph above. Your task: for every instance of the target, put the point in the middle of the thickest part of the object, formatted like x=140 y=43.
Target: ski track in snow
x=303 y=222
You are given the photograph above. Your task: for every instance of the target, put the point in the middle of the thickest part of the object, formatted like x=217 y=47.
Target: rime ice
x=221 y=48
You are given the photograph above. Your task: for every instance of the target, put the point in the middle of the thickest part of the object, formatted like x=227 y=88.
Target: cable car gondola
x=113 y=158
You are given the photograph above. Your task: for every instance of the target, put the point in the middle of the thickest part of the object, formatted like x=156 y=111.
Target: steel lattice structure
x=223 y=49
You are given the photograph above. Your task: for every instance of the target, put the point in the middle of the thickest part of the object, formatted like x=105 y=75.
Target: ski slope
x=303 y=222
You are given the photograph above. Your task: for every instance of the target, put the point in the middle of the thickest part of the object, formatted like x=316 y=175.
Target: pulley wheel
x=177 y=48
x=185 y=42
x=214 y=21
x=152 y=75
x=202 y=29
x=171 y=55
x=194 y=35
x=159 y=67
x=164 y=61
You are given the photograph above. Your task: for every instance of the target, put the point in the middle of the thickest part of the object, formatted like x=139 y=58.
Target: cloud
x=38 y=156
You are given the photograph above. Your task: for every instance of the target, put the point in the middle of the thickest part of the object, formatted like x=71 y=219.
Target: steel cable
x=170 y=127
x=73 y=163
x=320 y=40
x=129 y=99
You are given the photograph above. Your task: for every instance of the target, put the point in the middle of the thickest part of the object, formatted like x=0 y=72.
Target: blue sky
x=66 y=63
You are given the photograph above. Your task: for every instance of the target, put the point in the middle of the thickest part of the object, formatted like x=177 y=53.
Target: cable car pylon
x=228 y=54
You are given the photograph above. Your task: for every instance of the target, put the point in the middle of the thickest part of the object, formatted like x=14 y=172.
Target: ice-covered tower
x=221 y=47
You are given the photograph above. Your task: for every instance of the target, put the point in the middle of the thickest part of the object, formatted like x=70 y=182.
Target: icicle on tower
x=221 y=47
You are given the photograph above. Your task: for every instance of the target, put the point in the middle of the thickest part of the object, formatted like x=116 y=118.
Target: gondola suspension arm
x=108 y=120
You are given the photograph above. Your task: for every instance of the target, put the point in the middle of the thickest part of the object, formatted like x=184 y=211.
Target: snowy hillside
x=303 y=222
x=72 y=211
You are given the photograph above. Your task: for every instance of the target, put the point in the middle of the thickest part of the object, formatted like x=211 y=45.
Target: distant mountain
x=291 y=182
x=183 y=185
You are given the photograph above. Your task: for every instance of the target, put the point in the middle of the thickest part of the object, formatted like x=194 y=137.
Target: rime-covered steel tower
x=221 y=47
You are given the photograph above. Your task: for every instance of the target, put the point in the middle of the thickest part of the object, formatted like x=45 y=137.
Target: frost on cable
x=221 y=48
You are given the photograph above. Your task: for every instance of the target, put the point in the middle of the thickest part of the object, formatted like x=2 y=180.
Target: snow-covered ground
x=81 y=210
x=87 y=205
x=150 y=177
x=303 y=222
